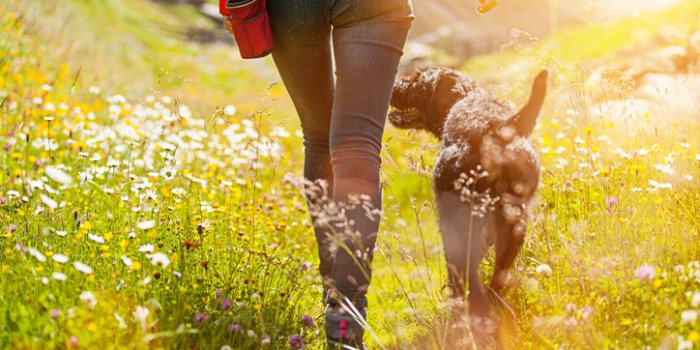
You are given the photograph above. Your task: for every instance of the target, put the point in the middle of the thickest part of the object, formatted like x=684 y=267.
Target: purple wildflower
x=3 y=201
x=226 y=304
x=586 y=312
x=7 y=147
x=55 y=313
x=233 y=327
x=21 y=247
x=12 y=228
x=308 y=321
x=645 y=273
x=201 y=317
x=570 y=322
x=305 y=265
x=218 y=294
x=611 y=203
x=73 y=341
x=296 y=342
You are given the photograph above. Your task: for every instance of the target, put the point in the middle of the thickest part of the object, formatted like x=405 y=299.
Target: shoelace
x=343 y=328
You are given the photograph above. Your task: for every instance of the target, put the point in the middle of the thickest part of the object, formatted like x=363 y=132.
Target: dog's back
x=493 y=137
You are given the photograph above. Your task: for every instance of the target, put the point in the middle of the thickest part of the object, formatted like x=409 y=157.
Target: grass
x=195 y=234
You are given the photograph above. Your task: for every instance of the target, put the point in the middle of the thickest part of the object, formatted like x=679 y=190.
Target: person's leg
x=367 y=48
x=302 y=54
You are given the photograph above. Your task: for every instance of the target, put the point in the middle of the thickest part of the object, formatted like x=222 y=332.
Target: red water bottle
x=222 y=8
x=250 y=24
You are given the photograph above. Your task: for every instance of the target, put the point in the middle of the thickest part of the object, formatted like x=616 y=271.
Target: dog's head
x=423 y=100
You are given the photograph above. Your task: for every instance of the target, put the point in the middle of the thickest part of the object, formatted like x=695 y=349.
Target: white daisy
x=82 y=267
x=661 y=185
x=664 y=168
x=147 y=248
x=88 y=298
x=160 y=259
x=145 y=225
x=689 y=317
x=168 y=172
x=695 y=302
x=59 y=276
x=48 y=201
x=37 y=254
x=126 y=260
x=230 y=110
x=59 y=258
x=96 y=238
x=543 y=269
x=58 y=175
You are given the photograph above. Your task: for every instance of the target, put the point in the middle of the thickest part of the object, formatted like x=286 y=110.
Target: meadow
x=150 y=196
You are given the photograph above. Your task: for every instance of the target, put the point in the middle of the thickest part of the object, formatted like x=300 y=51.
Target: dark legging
x=342 y=119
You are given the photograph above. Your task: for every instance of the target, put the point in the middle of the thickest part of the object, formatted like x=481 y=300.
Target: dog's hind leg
x=464 y=249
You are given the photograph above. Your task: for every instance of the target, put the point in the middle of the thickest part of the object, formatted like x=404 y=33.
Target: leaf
x=486 y=6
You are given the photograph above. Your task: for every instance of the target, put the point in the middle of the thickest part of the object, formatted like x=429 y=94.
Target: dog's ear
x=407 y=119
x=524 y=121
x=449 y=88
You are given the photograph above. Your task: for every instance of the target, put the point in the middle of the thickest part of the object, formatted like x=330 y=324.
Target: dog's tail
x=524 y=121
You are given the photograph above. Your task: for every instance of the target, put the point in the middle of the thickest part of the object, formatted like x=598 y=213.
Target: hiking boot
x=343 y=330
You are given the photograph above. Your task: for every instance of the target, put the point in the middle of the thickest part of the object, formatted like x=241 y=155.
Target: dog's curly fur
x=486 y=173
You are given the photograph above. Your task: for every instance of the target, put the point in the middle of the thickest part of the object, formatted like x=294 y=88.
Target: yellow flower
x=694 y=336
x=135 y=266
x=92 y=327
x=257 y=307
x=86 y=226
